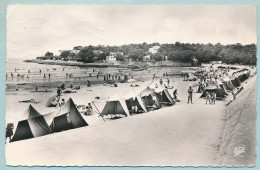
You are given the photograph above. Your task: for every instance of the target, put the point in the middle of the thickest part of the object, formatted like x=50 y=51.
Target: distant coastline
x=133 y=65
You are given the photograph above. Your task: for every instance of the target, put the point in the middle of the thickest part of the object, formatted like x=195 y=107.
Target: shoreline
x=132 y=65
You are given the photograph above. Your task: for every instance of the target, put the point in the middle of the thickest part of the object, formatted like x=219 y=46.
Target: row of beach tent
x=68 y=117
x=226 y=83
x=36 y=124
x=145 y=100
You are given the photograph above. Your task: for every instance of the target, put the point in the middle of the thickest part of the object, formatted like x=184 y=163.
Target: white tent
x=115 y=105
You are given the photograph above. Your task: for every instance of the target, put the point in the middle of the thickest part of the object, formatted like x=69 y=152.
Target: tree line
x=181 y=52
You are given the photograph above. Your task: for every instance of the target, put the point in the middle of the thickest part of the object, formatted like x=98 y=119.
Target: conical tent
x=164 y=96
x=115 y=105
x=222 y=86
x=235 y=81
x=34 y=126
x=228 y=83
x=214 y=88
x=133 y=99
x=31 y=112
x=149 y=97
x=68 y=117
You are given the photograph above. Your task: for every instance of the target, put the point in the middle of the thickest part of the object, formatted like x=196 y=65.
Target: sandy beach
x=179 y=135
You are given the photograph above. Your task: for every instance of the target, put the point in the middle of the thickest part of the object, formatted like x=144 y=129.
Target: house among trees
x=147 y=57
x=215 y=62
x=113 y=56
x=154 y=49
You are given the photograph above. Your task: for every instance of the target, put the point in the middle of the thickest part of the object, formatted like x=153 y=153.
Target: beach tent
x=235 y=80
x=243 y=75
x=228 y=83
x=67 y=117
x=115 y=105
x=52 y=102
x=149 y=97
x=133 y=99
x=222 y=86
x=34 y=126
x=213 y=87
x=164 y=96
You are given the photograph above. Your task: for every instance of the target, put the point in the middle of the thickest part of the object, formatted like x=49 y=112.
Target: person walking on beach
x=36 y=88
x=49 y=75
x=208 y=97
x=168 y=81
x=97 y=76
x=44 y=76
x=190 y=91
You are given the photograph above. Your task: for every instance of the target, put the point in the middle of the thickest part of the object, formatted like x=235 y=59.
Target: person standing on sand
x=49 y=75
x=190 y=91
x=88 y=83
x=168 y=81
x=207 y=97
x=213 y=97
x=44 y=76
x=161 y=82
x=97 y=76
x=9 y=131
x=36 y=88
x=59 y=92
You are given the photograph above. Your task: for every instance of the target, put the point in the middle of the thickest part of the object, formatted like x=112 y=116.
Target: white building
x=154 y=49
x=147 y=57
x=75 y=51
x=111 y=57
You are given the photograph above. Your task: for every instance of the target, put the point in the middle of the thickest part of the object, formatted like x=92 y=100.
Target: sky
x=32 y=30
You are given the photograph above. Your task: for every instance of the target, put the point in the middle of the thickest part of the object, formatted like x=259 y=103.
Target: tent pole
x=98 y=111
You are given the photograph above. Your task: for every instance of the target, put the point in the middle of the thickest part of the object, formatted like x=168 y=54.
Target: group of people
x=211 y=97
x=89 y=110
